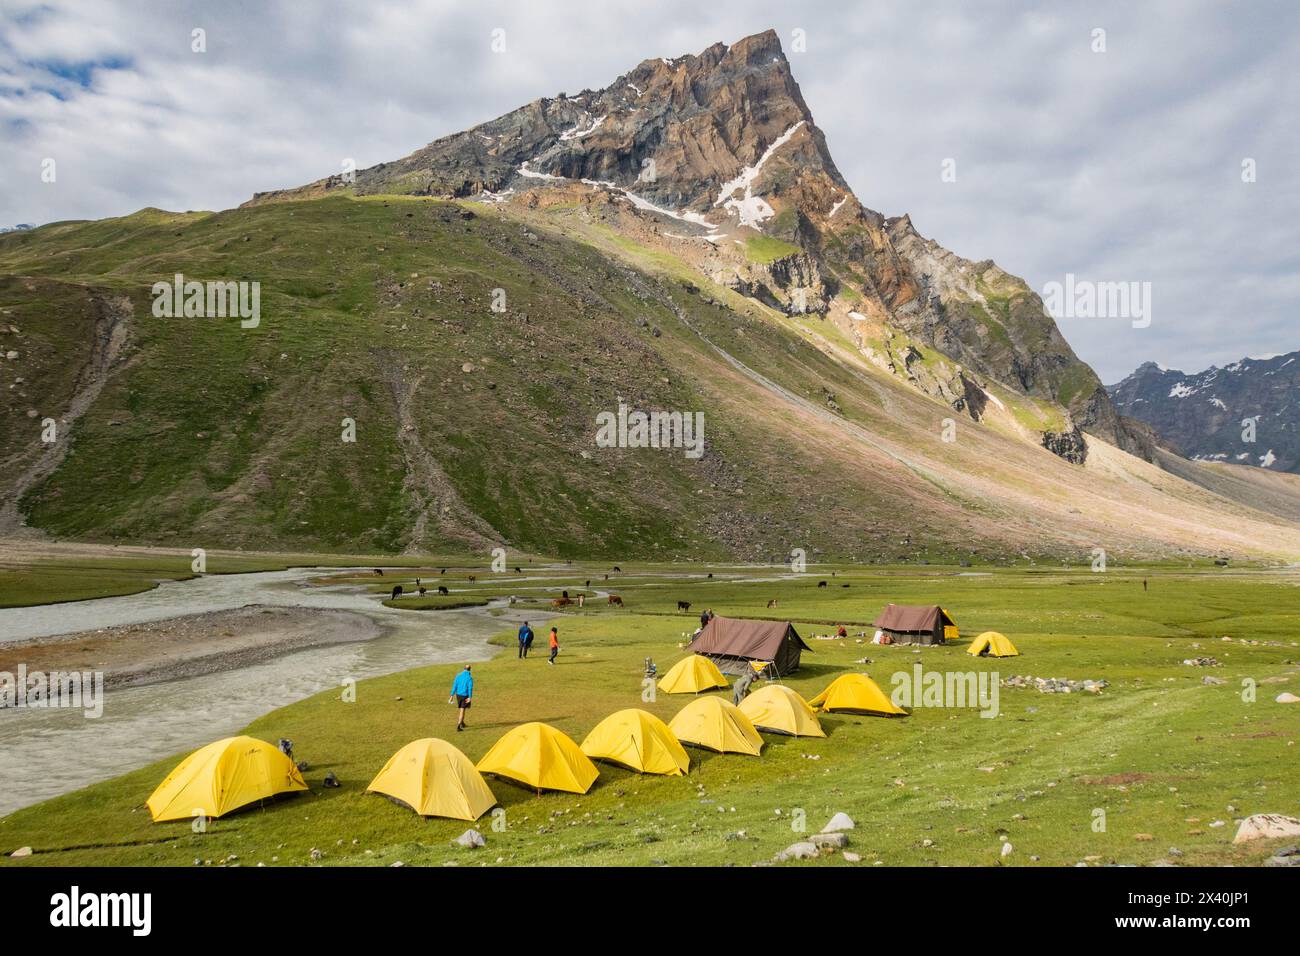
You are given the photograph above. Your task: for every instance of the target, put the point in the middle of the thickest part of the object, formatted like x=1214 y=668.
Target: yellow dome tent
x=541 y=757
x=856 y=694
x=778 y=709
x=716 y=724
x=639 y=741
x=434 y=779
x=691 y=675
x=224 y=776
x=993 y=644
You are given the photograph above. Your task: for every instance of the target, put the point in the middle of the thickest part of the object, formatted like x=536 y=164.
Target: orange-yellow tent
x=716 y=724
x=779 y=709
x=856 y=694
x=639 y=741
x=993 y=644
x=540 y=757
x=224 y=776
x=691 y=675
x=434 y=779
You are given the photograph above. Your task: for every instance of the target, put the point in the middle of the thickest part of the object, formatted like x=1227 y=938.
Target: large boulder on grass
x=1266 y=826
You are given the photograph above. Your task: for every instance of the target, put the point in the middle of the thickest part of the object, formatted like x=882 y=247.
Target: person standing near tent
x=462 y=694
x=741 y=689
x=555 y=645
x=704 y=618
x=525 y=639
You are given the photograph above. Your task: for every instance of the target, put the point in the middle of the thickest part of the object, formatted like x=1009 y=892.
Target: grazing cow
x=564 y=594
x=517 y=571
x=582 y=600
x=615 y=599
x=821 y=584
x=617 y=568
x=683 y=605
x=442 y=590
x=561 y=602
x=710 y=575
x=379 y=571
x=588 y=582
x=422 y=592
x=843 y=585
x=771 y=603
x=442 y=571
x=472 y=579
x=397 y=592
x=417 y=582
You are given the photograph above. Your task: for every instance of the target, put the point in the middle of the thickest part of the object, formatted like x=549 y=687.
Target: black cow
x=442 y=590
x=397 y=592
x=683 y=605
x=821 y=584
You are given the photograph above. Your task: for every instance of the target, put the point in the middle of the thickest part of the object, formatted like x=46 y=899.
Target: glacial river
x=44 y=753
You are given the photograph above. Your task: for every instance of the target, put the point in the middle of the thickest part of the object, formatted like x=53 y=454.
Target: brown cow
x=771 y=603
x=561 y=602
x=615 y=599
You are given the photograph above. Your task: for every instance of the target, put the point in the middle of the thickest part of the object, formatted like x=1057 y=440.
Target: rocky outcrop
x=1068 y=444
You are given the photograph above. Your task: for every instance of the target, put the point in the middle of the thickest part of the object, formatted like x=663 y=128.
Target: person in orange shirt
x=555 y=645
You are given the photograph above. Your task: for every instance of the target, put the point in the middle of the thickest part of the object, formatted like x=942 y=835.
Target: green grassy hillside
x=475 y=427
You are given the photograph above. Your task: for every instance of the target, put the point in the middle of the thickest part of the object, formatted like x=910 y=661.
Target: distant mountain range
x=18 y=228
x=1247 y=412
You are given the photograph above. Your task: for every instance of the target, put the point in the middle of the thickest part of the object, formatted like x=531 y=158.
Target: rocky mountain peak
x=720 y=146
x=1244 y=413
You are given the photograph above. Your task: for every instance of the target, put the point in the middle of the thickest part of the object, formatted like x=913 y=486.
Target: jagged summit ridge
x=721 y=147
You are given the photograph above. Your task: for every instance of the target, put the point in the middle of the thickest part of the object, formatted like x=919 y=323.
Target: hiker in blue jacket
x=462 y=692
x=525 y=639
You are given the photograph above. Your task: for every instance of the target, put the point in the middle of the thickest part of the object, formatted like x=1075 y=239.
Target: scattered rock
x=471 y=839
x=836 y=841
x=797 y=851
x=1056 y=685
x=841 y=821
x=1286 y=698
x=21 y=852
x=1202 y=662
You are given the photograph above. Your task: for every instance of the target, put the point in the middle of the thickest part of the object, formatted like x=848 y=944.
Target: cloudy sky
x=1123 y=165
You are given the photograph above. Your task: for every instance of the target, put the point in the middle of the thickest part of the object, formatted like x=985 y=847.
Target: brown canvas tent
x=908 y=624
x=732 y=644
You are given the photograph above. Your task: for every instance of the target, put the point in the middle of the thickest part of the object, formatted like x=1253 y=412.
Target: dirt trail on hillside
x=434 y=496
x=112 y=330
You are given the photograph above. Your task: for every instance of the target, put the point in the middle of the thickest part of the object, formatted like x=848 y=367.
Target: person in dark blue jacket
x=525 y=639
x=462 y=692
